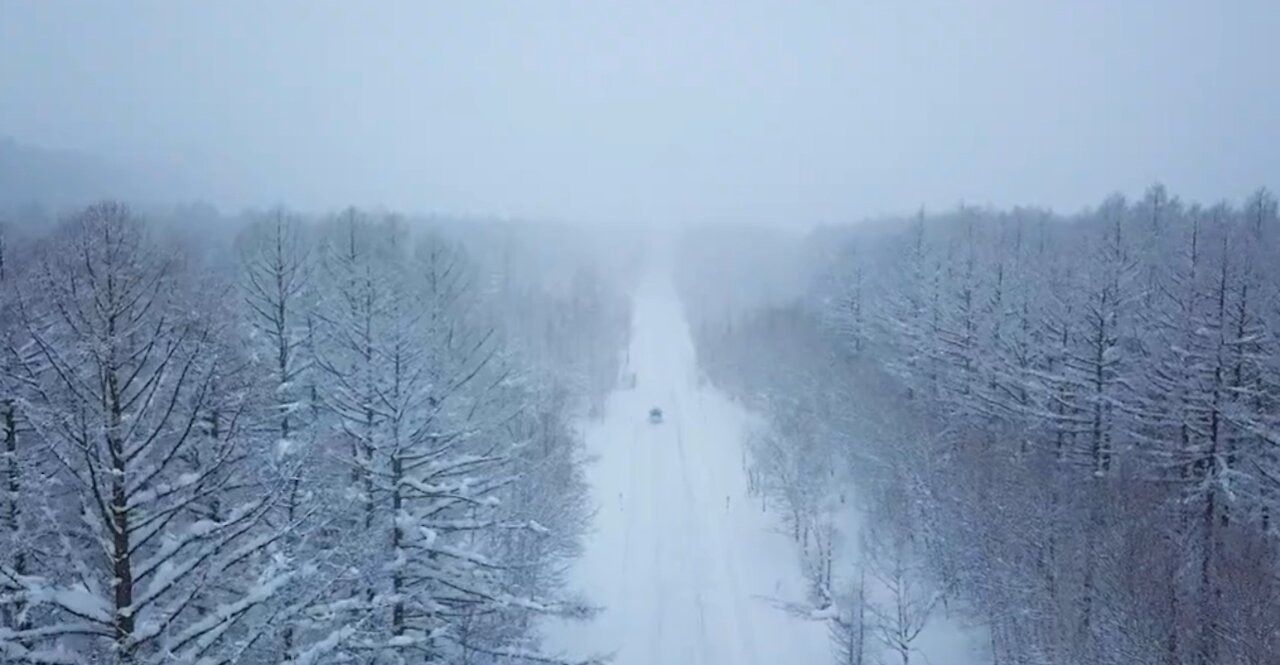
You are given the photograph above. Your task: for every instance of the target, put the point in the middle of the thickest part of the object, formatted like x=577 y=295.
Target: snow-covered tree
x=159 y=515
x=17 y=455
x=425 y=396
x=275 y=270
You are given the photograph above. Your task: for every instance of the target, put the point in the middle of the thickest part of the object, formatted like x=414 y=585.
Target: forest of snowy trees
x=278 y=439
x=1062 y=429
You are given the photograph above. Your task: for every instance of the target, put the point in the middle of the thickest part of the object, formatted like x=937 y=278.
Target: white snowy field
x=682 y=560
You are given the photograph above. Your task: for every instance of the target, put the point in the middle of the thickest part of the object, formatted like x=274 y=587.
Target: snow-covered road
x=681 y=558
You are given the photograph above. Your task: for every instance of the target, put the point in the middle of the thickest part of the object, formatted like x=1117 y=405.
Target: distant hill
x=56 y=179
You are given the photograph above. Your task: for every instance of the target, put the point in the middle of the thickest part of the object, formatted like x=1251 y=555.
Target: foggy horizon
x=661 y=113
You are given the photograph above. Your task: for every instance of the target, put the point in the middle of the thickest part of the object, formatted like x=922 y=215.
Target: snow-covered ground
x=681 y=559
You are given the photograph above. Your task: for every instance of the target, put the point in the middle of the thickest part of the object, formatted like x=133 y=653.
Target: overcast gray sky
x=777 y=111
